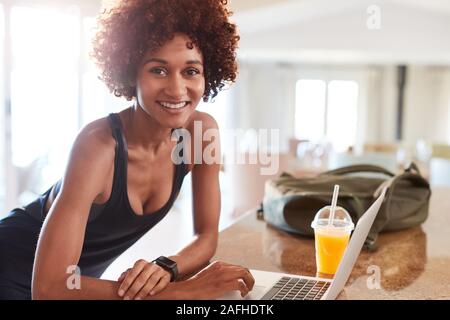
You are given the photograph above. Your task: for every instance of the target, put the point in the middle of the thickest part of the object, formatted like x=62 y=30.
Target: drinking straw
x=333 y=204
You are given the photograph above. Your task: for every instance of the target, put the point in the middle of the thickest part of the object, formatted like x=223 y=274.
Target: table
x=409 y=264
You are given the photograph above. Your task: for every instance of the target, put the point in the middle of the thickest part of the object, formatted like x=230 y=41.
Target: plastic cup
x=331 y=240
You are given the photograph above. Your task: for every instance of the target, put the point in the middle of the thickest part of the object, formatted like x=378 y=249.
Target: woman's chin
x=172 y=123
x=177 y=119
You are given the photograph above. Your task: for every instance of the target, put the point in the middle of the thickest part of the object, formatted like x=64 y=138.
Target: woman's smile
x=174 y=107
x=171 y=82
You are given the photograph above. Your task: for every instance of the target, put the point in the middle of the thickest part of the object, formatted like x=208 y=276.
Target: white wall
x=265 y=98
x=327 y=31
x=441 y=132
x=426 y=104
x=386 y=132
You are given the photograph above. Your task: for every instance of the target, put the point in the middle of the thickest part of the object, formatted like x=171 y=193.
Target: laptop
x=282 y=286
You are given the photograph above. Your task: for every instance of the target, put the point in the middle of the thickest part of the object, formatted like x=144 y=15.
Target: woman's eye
x=192 y=72
x=158 y=71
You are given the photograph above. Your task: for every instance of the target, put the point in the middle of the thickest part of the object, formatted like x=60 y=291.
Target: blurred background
x=344 y=82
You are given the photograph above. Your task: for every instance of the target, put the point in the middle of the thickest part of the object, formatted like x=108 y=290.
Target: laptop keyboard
x=288 y=288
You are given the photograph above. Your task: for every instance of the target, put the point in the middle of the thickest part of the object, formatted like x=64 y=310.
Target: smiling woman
x=153 y=24
x=173 y=85
x=120 y=181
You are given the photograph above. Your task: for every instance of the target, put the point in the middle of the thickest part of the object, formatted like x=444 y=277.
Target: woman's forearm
x=95 y=289
x=85 y=288
x=196 y=255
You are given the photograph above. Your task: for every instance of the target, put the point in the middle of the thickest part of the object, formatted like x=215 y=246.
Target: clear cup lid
x=341 y=220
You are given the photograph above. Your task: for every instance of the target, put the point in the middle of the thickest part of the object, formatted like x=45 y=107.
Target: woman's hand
x=143 y=279
x=215 y=280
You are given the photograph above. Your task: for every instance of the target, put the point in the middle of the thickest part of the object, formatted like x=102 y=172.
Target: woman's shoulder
x=91 y=159
x=96 y=137
x=206 y=120
x=99 y=130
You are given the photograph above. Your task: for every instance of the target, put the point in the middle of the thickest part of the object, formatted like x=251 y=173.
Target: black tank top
x=113 y=226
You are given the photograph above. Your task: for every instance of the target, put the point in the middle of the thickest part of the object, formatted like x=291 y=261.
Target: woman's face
x=170 y=82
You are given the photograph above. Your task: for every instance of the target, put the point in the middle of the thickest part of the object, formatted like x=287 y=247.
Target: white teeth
x=173 y=105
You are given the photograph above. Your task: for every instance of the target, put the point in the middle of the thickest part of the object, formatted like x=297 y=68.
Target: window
x=2 y=120
x=342 y=113
x=97 y=101
x=54 y=92
x=44 y=82
x=219 y=109
x=310 y=109
x=327 y=110
x=93 y=104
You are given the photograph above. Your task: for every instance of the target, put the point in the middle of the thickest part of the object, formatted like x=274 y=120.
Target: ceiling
x=335 y=31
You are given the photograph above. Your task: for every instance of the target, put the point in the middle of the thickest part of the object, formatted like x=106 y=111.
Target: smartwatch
x=169 y=265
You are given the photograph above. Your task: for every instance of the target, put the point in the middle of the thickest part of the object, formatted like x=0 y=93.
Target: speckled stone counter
x=409 y=264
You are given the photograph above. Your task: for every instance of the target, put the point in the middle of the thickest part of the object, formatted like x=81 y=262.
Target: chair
x=380 y=147
x=440 y=150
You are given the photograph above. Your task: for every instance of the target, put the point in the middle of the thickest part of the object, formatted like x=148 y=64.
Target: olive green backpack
x=291 y=203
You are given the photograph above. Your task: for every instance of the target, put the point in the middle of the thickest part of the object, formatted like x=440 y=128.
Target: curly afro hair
x=132 y=27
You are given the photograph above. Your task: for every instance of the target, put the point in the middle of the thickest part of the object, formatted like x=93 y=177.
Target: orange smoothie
x=330 y=246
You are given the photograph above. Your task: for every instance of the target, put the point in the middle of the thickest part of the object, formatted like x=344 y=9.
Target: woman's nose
x=176 y=87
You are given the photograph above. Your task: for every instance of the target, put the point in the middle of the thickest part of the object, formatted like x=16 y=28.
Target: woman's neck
x=142 y=131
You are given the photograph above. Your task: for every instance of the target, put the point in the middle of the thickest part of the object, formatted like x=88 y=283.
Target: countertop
x=408 y=264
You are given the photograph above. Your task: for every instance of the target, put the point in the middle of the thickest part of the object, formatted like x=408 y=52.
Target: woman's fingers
x=150 y=274
x=149 y=279
x=163 y=282
x=157 y=282
x=122 y=276
x=242 y=287
x=240 y=273
x=219 y=278
x=248 y=279
x=130 y=277
x=142 y=279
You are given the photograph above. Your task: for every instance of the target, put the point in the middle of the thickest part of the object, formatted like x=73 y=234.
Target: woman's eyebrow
x=155 y=60
x=162 y=61
x=194 y=62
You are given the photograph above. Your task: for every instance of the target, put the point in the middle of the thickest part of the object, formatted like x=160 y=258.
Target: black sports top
x=113 y=226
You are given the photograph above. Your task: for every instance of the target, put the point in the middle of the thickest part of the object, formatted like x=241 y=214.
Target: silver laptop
x=281 y=286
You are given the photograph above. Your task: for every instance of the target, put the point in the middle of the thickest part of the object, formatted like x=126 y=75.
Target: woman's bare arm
x=62 y=235
x=206 y=203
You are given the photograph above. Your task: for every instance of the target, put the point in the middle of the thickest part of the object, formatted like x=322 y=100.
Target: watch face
x=166 y=261
x=169 y=265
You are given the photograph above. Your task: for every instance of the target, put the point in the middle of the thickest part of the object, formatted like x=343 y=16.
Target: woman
x=121 y=178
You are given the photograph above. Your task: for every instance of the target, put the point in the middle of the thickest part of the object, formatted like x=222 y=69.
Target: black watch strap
x=169 y=265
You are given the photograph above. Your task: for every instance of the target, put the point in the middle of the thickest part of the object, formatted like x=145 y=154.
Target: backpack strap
x=358 y=169
x=412 y=170
x=412 y=167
